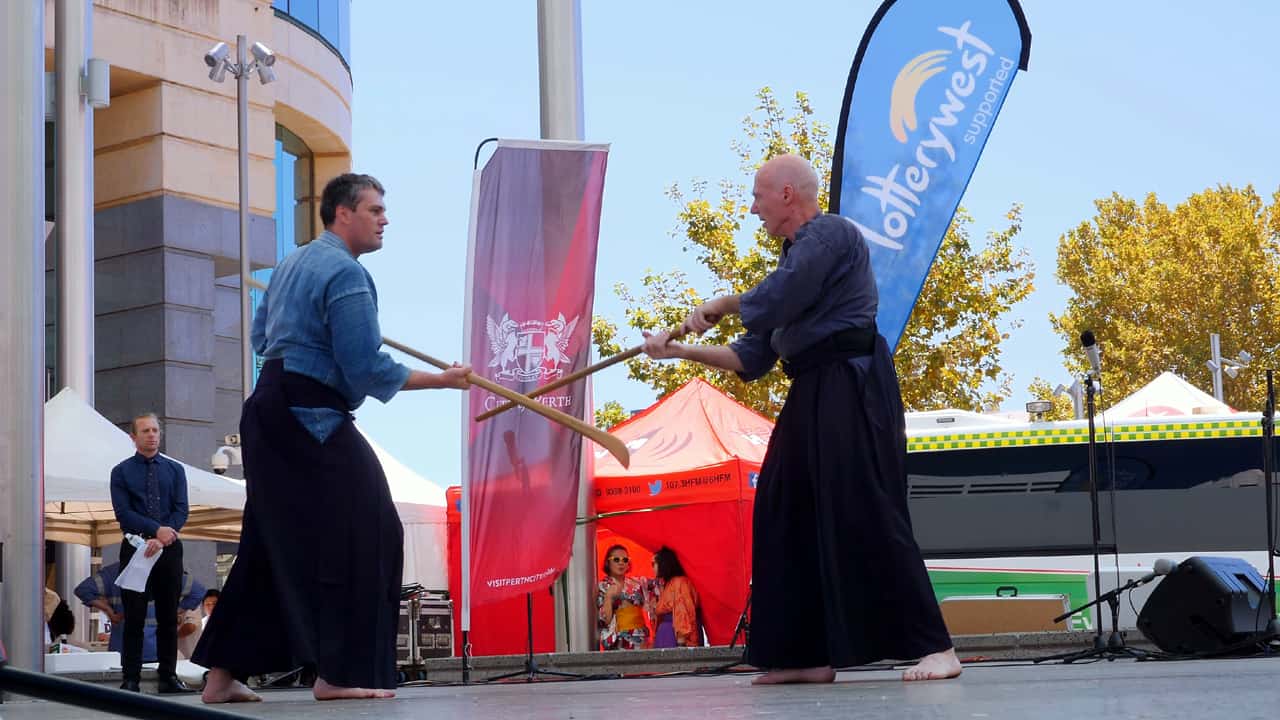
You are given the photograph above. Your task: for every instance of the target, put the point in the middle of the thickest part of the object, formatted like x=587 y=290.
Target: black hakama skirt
x=317 y=579
x=837 y=577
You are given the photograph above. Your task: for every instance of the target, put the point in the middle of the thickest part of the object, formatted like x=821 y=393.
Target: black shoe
x=172 y=685
x=130 y=685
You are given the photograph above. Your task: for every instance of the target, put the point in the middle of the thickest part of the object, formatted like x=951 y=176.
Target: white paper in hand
x=135 y=574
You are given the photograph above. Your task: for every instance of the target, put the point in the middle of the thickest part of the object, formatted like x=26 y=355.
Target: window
x=295 y=190
x=328 y=20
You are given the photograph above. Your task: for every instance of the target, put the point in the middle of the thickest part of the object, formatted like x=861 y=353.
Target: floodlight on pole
x=219 y=62
x=1076 y=393
x=1219 y=365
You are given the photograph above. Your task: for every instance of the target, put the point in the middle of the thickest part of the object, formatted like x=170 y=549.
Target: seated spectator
x=58 y=619
x=62 y=622
x=99 y=591
x=620 y=602
x=191 y=623
x=676 y=611
x=208 y=603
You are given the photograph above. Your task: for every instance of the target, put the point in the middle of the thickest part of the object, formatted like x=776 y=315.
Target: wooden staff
x=544 y=389
x=616 y=447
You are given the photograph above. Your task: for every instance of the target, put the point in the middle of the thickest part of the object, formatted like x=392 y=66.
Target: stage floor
x=1233 y=689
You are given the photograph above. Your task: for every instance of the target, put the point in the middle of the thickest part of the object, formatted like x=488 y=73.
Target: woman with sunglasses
x=620 y=603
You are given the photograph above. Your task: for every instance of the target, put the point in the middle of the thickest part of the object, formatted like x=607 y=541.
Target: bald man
x=837 y=577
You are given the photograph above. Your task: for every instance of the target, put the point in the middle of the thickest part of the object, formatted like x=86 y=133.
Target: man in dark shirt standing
x=149 y=496
x=837 y=577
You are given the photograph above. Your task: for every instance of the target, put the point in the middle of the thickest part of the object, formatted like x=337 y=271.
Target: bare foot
x=220 y=687
x=938 y=666
x=798 y=675
x=324 y=691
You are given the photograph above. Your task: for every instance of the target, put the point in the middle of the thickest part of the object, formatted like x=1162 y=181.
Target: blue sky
x=1133 y=97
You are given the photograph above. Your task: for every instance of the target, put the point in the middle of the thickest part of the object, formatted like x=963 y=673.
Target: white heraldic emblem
x=530 y=350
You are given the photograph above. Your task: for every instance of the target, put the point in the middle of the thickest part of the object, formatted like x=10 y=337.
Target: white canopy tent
x=421 y=504
x=1168 y=395
x=81 y=447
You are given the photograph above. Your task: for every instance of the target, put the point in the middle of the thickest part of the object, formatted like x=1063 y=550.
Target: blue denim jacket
x=320 y=315
x=823 y=284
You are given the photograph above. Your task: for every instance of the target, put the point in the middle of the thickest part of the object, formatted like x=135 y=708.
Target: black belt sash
x=300 y=390
x=848 y=343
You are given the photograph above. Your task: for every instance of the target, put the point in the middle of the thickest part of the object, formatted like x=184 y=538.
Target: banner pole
x=465 y=467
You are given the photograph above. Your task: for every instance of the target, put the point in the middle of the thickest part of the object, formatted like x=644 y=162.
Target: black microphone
x=1161 y=567
x=1092 y=351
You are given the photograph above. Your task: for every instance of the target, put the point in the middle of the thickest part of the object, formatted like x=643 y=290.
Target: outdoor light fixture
x=96 y=83
x=216 y=59
x=219 y=61
x=263 y=54
x=264 y=59
x=216 y=55
x=1219 y=365
x=1076 y=393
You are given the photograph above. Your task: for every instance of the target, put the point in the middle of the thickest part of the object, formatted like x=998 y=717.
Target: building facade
x=167 y=326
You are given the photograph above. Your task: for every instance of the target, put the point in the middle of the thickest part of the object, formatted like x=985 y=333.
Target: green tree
x=1153 y=283
x=610 y=414
x=949 y=354
x=950 y=350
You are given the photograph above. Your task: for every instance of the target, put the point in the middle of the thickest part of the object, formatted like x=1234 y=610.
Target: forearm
x=101 y=604
x=717 y=356
x=422 y=380
x=728 y=304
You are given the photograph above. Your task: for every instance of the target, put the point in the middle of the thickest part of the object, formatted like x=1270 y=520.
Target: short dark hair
x=668 y=565
x=62 y=621
x=344 y=191
x=133 y=424
x=210 y=593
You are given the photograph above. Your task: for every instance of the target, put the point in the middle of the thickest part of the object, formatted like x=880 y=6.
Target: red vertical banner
x=534 y=231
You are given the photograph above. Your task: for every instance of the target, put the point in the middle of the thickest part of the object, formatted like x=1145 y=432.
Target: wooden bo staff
x=615 y=446
x=542 y=390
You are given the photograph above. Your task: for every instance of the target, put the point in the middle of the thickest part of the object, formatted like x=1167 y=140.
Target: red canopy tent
x=498 y=628
x=695 y=456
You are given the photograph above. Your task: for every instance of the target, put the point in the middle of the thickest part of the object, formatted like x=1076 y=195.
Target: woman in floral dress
x=620 y=602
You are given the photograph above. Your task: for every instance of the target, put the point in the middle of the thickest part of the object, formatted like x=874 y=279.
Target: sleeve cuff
x=748 y=310
x=387 y=389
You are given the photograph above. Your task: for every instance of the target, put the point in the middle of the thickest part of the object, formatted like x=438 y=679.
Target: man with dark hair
x=345 y=191
x=317 y=578
x=149 y=496
x=207 y=603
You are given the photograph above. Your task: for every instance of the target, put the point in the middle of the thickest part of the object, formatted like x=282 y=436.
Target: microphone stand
x=1268 y=462
x=1090 y=391
x=1112 y=647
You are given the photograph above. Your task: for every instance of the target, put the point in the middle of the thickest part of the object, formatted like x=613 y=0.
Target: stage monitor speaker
x=1206 y=605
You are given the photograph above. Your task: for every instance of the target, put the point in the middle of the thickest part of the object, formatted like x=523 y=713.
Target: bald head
x=785 y=195
x=791 y=170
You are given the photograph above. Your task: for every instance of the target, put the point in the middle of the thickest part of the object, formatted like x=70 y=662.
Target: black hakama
x=317 y=579
x=837 y=577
